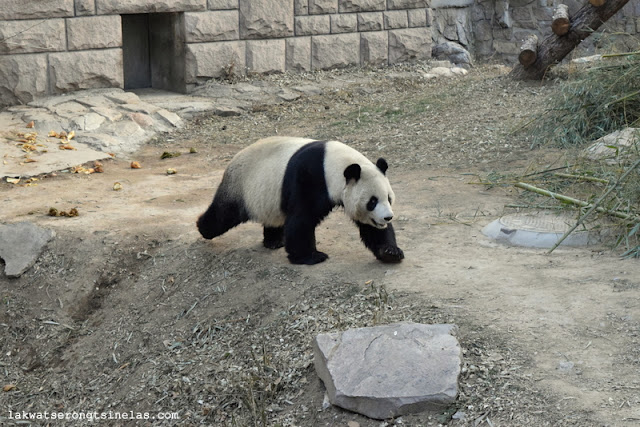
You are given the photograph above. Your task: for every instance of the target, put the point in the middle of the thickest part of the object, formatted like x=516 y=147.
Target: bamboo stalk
x=581 y=177
x=533 y=207
x=571 y=200
x=612 y=55
x=595 y=205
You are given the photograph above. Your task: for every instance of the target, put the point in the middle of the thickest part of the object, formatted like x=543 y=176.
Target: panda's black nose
x=388 y=218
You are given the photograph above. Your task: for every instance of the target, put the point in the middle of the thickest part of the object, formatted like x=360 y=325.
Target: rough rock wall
x=500 y=26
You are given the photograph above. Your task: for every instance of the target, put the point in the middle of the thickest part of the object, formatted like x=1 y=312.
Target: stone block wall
x=54 y=46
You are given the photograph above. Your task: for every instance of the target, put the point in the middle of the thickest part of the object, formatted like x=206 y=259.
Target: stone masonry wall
x=55 y=46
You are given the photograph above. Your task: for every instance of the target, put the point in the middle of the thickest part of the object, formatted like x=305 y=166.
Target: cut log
x=553 y=48
x=560 y=23
x=529 y=51
x=597 y=3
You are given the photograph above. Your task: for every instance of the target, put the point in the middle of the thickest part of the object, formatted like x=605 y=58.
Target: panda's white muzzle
x=381 y=216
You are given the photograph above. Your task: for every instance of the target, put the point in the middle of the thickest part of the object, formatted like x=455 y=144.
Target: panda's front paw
x=316 y=257
x=390 y=254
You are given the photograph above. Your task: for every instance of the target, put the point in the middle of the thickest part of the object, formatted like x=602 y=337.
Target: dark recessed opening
x=153 y=51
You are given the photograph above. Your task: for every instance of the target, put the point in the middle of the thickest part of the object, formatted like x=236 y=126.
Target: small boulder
x=387 y=371
x=20 y=246
x=453 y=52
x=615 y=147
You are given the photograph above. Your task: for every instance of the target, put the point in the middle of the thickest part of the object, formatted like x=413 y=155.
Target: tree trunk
x=553 y=48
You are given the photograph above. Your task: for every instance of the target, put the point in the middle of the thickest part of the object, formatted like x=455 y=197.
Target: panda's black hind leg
x=273 y=237
x=221 y=216
x=382 y=242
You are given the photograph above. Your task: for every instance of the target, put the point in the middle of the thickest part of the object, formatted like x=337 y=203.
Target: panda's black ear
x=352 y=172
x=382 y=165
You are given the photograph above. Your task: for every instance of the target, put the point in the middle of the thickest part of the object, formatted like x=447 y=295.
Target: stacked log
x=529 y=51
x=560 y=24
x=554 y=47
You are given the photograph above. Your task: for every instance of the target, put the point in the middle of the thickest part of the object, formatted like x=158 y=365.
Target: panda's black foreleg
x=300 y=241
x=222 y=215
x=382 y=242
x=273 y=237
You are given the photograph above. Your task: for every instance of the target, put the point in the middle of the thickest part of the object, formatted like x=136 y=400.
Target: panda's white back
x=258 y=173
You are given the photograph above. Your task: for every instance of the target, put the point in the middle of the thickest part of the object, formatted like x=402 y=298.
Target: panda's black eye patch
x=371 y=204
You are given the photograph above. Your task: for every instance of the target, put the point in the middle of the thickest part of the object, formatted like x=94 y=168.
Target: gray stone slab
x=266 y=19
x=266 y=56
x=20 y=246
x=437 y=4
x=42 y=36
x=215 y=60
x=42 y=9
x=317 y=7
x=211 y=26
x=616 y=146
x=298 y=54
x=539 y=230
x=361 y=5
x=115 y=7
x=409 y=45
x=407 y=4
x=24 y=77
x=388 y=371
x=53 y=159
x=94 y=32
x=86 y=69
x=374 y=48
x=335 y=51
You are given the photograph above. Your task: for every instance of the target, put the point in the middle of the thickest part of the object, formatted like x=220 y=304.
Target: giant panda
x=290 y=185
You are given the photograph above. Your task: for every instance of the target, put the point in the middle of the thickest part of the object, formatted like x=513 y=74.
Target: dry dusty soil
x=130 y=311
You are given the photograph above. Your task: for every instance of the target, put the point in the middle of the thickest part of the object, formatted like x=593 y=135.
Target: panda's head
x=368 y=196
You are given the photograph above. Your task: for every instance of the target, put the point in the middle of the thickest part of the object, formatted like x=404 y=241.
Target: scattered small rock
x=565 y=366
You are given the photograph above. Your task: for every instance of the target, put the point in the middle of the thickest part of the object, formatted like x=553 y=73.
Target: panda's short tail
x=222 y=215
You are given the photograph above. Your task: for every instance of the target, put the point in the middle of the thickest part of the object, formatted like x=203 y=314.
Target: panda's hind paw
x=316 y=257
x=389 y=254
x=273 y=244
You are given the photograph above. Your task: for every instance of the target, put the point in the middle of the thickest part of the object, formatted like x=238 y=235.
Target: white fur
x=256 y=174
x=259 y=171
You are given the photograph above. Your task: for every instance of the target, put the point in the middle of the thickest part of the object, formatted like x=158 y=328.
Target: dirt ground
x=130 y=311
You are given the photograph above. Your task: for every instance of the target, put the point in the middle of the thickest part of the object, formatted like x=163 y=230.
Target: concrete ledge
x=116 y=7
x=438 y=4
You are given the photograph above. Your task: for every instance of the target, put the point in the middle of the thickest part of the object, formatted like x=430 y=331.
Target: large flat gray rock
x=541 y=230
x=20 y=246
x=388 y=371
